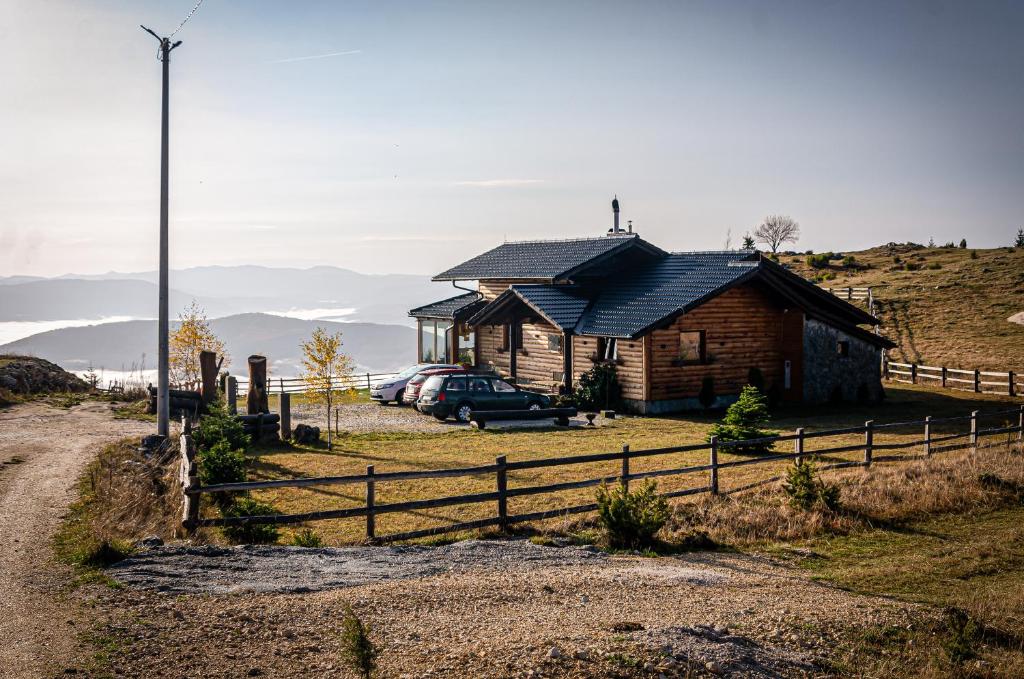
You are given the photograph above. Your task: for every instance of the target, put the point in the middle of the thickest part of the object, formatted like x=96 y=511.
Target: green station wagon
x=459 y=395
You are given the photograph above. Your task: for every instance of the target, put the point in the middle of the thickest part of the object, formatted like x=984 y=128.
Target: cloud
x=315 y=56
x=498 y=183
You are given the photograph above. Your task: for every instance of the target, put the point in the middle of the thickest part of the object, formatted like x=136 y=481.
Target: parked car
x=394 y=389
x=459 y=395
x=412 y=389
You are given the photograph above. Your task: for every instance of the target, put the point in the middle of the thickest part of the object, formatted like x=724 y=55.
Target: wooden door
x=792 y=355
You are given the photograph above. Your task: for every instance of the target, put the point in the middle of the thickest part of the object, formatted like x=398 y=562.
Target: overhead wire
x=187 y=17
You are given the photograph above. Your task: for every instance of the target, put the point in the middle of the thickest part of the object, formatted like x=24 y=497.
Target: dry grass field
x=462 y=448
x=944 y=306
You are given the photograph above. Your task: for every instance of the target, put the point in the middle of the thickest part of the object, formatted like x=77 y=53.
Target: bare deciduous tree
x=776 y=230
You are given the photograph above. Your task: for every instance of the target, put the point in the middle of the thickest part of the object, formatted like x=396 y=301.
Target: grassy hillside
x=944 y=306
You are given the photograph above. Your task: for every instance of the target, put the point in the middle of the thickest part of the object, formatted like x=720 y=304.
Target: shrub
x=807 y=491
x=250 y=533
x=599 y=388
x=974 y=254
x=631 y=519
x=912 y=266
x=219 y=425
x=359 y=650
x=707 y=395
x=1019 y=242
x=963 y=243
x=849 y=261
x=949 y=245
x=104 y=553
x=307 y=537
x=221 y=464
x=755 y=378
x=818 y=261
x=743 y=420
x=962 y=636
x=934 y=266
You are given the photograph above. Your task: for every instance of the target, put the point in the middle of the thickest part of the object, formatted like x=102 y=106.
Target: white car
x=394 y=389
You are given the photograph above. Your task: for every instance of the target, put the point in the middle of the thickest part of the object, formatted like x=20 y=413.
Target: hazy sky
x=405 y=137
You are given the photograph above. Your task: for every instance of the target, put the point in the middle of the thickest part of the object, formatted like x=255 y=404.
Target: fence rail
x=193 y=491
x=297 y=385
x=1007 y=383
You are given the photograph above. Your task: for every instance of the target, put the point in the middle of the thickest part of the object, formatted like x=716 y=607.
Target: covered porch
x=527 y=334
x=443 y=335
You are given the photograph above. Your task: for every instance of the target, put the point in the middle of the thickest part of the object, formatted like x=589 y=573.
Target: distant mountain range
x=220 y=290
x=115 y=346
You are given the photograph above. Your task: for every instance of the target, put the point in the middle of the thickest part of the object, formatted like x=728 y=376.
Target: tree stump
x=208 y=371
x=256 y=399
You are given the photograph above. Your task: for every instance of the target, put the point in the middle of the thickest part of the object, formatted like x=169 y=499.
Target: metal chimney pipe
x=615 y=212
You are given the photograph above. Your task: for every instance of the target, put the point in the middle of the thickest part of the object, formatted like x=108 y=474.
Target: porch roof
x=459 y=307
x=560 y=305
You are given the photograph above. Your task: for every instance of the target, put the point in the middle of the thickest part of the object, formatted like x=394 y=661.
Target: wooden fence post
x=336 y=419
x=849 y=293
x=798 y=446
x=189 y=482
x=944 y=375
x=869 y=441
x=1020 y=425
x=977 y=380
x=502 y=483
x=368 y=385
x=371 y=525
x=974 y=430
x=232 y=395
x=885 y=365
x=1010 y=387
x=286 y=416
x=913 y=373
x=928 y=436
x=714 y=465
x=625 y=468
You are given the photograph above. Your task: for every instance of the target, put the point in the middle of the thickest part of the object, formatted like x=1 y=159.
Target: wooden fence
x=979 y=381
x=297 y=385
x=708 y=473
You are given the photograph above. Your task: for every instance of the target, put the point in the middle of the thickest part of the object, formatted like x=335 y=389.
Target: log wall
x=495 y=286
x=489 y=351
x=630 y=368
x=535 y=361
x=742 y=330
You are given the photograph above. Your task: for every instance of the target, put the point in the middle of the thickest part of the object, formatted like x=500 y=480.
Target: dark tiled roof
x=448 y=308
x=546 y=259
x=563 y=304
x=651 y=293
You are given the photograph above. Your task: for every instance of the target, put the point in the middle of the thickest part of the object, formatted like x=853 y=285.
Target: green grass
x=393 y=451
x=970 y=563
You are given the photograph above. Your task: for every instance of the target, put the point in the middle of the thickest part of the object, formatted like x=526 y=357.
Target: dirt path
x=43 y=450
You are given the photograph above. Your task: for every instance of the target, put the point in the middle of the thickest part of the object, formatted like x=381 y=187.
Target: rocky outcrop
x=30 y=375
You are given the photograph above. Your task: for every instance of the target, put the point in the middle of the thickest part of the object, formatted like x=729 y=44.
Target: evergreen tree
x=743 y=420
x=1020 y=239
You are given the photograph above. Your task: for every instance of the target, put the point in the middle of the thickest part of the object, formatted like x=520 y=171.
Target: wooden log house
x=546 y=311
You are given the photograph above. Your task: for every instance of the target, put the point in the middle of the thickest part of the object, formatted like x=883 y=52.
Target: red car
x=412 y=389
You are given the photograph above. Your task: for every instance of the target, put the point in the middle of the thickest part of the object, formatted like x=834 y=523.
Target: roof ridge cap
x=571 y=240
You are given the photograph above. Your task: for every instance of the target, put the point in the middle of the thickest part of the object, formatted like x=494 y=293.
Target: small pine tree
x=631 y=519
x=706 y=395
x=963 y=243
x=359 y=650
x=1020 y=238
x=931 y=242
x=748 y=242
x=743 y=420
x=806 y=490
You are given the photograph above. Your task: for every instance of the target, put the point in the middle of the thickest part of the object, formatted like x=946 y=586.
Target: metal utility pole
x=163 y=363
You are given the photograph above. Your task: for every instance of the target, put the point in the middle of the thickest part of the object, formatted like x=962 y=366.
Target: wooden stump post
x=232 y=392
x=974 y=430
x=714 y=465
x=798 y=446
x=928 y=436
x=286 y=416
x=502 y=487
x=625 y=468
x=256 y=399
x=869 y=441
x=208 y=373
x=188 y=474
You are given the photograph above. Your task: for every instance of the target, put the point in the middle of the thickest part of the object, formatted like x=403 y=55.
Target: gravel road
x=235 y=570
x=42 y=452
